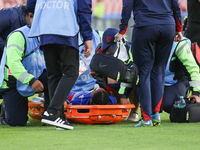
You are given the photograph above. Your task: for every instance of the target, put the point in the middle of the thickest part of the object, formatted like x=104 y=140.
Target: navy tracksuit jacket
x=152 y=38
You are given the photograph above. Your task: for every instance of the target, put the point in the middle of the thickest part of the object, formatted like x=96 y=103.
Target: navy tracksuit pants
x=173 y=92
x=151 y=46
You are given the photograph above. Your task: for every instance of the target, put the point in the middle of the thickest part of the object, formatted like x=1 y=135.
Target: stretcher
x=87 y=114
x=35 y=110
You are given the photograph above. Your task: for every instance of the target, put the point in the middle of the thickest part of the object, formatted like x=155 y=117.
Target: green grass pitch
x=120 y=136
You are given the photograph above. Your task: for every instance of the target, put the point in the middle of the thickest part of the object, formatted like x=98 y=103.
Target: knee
x=16 y=120
x=167 y=108
x=167 y=104
x=73 y=75
x=19 y=122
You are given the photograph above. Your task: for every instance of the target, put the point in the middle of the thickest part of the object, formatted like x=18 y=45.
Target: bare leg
x=133 y=116
x=134 y=100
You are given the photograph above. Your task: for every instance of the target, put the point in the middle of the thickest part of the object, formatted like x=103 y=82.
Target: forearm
x=177 y=15
x=85 y=17
x=15 y=53
x=16 y=67
x=126 y=14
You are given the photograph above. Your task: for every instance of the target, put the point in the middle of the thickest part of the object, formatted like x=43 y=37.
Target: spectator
x=59 y=42
x=152 y=39
x=99 y=9
x=193 y=22
x=98 y=15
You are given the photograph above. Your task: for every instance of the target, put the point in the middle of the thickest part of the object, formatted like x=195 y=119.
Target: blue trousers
x=16 y=106
x=151 y=47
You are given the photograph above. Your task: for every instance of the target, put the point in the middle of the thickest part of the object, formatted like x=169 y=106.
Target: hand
x=88 y=48
x=196 y=97
x=37 y=86
x=118 y=37
x=124 y=101
x=178 y=36
x=92 y=73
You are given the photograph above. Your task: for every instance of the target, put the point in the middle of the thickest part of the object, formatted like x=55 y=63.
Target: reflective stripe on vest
x=180 y=48
x=23 y=77
x=14 y=45
x=194 y=83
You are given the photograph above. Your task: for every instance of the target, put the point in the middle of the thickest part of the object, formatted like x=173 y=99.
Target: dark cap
x=30 y=5
x=109 y=42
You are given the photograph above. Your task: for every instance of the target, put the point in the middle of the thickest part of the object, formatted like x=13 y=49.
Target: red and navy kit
x=156 y=22
x=151 y=12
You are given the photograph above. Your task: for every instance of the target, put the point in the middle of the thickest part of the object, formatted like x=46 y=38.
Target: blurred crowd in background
x=106 y=13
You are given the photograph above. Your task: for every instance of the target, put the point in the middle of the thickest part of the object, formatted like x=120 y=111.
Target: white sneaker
x=133 y=116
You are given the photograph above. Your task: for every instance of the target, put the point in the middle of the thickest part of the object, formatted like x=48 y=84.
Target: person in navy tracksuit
x=156 y=24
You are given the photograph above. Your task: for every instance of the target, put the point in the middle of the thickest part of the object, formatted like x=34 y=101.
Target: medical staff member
x=58 y=24
x=22 y=73
x=11 y=19
x=181 y=75
x=156 y=24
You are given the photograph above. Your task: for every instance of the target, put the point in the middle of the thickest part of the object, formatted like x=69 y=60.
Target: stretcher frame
x=96 y=114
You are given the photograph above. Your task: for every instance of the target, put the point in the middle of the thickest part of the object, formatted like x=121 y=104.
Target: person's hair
x=100 y=98
x=25 y=10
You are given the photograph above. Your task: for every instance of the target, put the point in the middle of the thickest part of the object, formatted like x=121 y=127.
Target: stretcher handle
x=99 y=106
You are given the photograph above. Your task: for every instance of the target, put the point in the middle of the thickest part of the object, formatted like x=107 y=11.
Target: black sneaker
x=56 y=121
